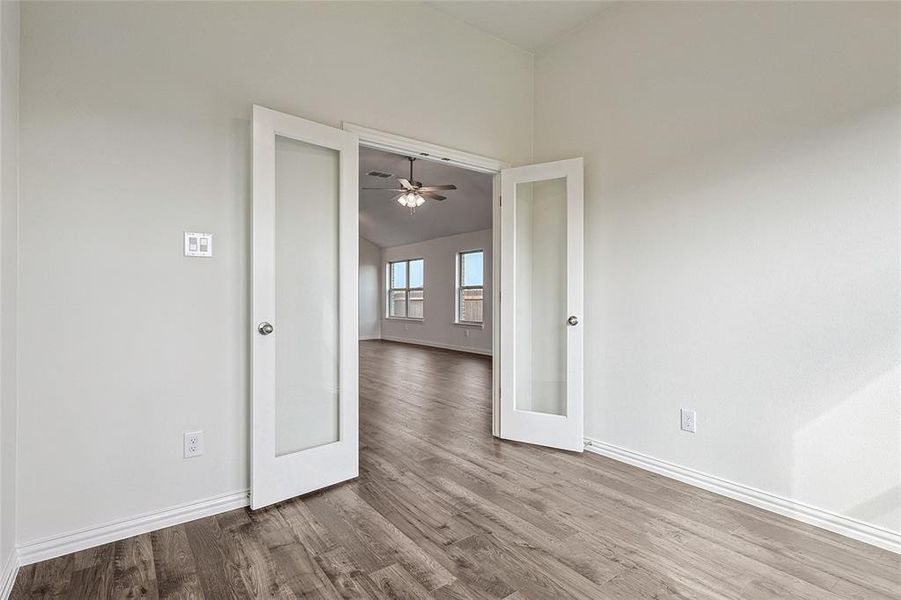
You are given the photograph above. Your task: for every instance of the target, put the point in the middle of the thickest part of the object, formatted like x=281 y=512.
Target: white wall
x=9 y=167
x=370 y=290
x=437 y=326
x=742 y=239
x=135 y=126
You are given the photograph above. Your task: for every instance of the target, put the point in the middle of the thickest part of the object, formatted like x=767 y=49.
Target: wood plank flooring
x=443 y=510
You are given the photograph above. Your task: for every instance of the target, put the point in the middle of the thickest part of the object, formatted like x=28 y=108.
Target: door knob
x=573 y=321
x=265 y=328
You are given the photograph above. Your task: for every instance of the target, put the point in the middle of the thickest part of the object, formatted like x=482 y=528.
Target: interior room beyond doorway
x=425 y=268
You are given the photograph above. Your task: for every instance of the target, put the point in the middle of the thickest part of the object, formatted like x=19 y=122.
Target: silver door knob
x=265 y=328
x=573 y=321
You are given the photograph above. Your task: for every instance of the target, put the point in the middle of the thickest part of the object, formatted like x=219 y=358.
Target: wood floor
x=443 y=510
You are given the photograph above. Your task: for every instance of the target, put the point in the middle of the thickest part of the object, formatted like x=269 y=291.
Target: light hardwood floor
x=443 y=510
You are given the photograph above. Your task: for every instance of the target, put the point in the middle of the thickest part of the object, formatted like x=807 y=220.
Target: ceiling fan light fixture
x=412 y=193
x=411 y=200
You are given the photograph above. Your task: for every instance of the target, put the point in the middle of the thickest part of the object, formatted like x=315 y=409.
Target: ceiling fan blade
x=432 y=195
x=405 y=183
x=386 y=189
x=435 y=188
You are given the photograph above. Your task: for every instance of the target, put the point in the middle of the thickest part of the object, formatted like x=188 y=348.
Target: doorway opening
x=426 y=289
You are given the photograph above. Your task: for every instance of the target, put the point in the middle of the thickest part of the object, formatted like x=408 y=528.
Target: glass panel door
x=304 y=351
x=541 y=304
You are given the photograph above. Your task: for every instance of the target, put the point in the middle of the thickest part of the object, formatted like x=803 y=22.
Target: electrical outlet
x=689 y=420
x=193 y=444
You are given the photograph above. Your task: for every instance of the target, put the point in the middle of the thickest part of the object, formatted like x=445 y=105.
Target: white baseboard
x=852 y=528
x=58 y=545
x=437 y=345
x=366 y=338
x=8 y=575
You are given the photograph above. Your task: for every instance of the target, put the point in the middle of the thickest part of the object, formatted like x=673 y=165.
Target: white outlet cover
x=198 y=244
x=193 y=444
x=689 y=420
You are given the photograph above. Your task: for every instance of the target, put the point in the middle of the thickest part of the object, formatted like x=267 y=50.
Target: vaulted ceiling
x=530 y=25
x=386 y=223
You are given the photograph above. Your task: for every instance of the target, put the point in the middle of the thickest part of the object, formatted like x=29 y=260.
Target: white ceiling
x=529 y=25
x=386 y=223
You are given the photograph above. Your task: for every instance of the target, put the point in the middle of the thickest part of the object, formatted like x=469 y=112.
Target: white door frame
x=389 y=142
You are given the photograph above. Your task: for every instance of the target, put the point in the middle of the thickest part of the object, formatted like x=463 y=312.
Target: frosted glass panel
x=540 y=317
x=306 y=311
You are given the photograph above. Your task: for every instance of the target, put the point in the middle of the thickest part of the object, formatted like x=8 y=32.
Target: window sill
x=470 y=325
x=405 y=319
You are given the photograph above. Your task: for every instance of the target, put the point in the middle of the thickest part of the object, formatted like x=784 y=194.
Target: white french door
x=304 y=352
x=541 y=304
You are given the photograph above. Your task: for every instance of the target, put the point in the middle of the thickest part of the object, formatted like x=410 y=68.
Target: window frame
x=460 y=288
x=389 y=281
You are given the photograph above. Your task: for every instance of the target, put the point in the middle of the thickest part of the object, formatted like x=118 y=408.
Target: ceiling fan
x=413 y=194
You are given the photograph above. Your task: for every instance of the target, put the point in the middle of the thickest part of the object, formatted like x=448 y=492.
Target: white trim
x=852 y=528
x=470 y=324
x=437 y=345
x=58 y=545
x=496 y=305
x=9 y=573
x=366 y=338
x=373 y=138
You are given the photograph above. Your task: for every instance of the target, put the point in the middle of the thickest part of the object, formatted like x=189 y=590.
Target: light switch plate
x=198 y=244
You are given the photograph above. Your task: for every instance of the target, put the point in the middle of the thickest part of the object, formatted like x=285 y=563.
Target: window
x=405 y=293
x=470 y=286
